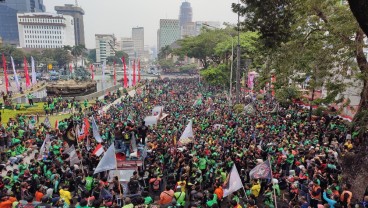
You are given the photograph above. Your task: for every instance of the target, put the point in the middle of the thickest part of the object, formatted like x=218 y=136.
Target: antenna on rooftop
x=76 y=2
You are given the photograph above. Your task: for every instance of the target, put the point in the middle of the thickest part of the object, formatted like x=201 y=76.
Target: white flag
x=45 y=145
x=34 y=78
x=95 y=131
x=73 y=157
x=69 y=150
x=15 y=74
x=234 y=182
x=187 y=135
x=108 y=161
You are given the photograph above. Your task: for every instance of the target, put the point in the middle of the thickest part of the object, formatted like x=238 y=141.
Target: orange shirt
x=8 y=203
x=38 y=196
x=166 y=197
x=219 y=192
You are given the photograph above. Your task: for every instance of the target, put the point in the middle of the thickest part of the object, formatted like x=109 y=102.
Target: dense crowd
x=304 y=155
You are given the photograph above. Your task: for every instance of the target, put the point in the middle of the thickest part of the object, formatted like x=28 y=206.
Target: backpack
x=156 y=185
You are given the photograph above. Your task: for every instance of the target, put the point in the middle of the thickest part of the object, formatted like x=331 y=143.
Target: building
x=189 y=29
x=186 y=13
x=138 y=39
x=77 y=13
x=45 y=30
x=105 y=46
x=169 y=32
x=127 y=45
x=8 y=17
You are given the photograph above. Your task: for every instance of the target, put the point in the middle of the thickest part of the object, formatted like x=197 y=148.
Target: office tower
x=138 y=39
x=8 y=17
x=77 y=13
x=169 y=32
x=105 y=46
x=186 y=13
x=45 y=30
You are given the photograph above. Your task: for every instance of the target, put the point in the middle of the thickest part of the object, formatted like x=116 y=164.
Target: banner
x=234 y=182
x=92 y=73
x=188 y=134
x=103 y=74
x=26 y=73
x=96 y=133
x=34 y=75
x=125 y=73
x=5 y=74
x=134 y=74
x=139 y=70
x=261 y=171
x=108 y=161
x=15 y=74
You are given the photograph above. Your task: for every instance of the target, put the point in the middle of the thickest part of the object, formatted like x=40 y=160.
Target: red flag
x=92 y=74
x=70 y=68
x=5 y=75
x=98 y=150
x=134 y=72
x=114 y=73
x=56 y=124
x=125 y=74
x=86 y=127
x=139 y=70
x=26 y=74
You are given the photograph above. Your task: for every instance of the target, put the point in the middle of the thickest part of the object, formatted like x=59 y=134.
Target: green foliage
x=166 y=64
x=110 y=60
x=164 y=52
x=17 y=54
x=286 y=95
x=188 y=67
x=218 y=75
x=92 y=56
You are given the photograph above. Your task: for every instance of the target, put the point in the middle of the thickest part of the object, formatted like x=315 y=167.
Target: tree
x=92 y=56
x=77 y=51
x=117 y=58
x=17 y=54
x=61 y=57
x=164 y=52
x=322 y=41
x=218 y=75
x=359 y=9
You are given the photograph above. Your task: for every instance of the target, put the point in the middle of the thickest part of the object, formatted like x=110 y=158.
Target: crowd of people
x=305 y=155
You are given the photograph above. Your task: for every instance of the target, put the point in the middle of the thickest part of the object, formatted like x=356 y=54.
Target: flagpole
x=274 y=191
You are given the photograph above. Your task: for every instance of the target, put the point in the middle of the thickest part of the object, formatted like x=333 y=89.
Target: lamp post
x=238 y=62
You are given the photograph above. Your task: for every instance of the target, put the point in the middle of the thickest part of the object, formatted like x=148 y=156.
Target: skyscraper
x=105 y=46
x=186 y=13
x=138 y=39
x=169 y=32
x=8 y=17
x=77 y=13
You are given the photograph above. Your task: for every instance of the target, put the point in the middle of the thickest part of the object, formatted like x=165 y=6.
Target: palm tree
x=78 y=51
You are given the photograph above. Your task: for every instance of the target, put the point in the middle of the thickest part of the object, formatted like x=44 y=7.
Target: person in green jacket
x=180 y=197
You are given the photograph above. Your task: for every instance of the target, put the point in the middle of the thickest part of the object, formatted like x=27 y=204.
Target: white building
x=127 y=45
x=105 y=46
x=45 y=30
x=208 y=24
x=169 y=32
x=138 y=39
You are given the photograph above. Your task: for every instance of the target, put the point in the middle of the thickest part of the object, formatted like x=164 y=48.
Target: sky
x=119 y=16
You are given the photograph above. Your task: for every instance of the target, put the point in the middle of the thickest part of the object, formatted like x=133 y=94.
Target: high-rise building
x=186 y=13
x=105 y=46
x=189 y=29
x=77 y=13
x=127 y=45
x=8 y=17
x=45 y=30
x=138 y=39
x=169 y=32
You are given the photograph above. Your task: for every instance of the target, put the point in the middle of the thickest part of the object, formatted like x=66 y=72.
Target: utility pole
x=238 y=63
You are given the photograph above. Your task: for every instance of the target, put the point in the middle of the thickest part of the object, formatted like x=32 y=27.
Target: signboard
x=150 y=120
x=49 y=66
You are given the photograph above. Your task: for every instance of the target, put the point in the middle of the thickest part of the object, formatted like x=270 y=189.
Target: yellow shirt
x=256 y=188
x=66 y=196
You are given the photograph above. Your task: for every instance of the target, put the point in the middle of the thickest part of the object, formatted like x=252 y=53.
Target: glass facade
x=8 y=25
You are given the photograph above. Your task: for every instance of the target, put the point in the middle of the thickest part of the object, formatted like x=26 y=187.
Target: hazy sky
x=119 y=16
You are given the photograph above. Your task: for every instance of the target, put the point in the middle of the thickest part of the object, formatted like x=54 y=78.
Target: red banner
x=92 y=73
x=139 y=70
x=70 y=68
x=134 y=73
x=114 y=73
x=5 y=75
x=125 y=74
x=26 y=73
